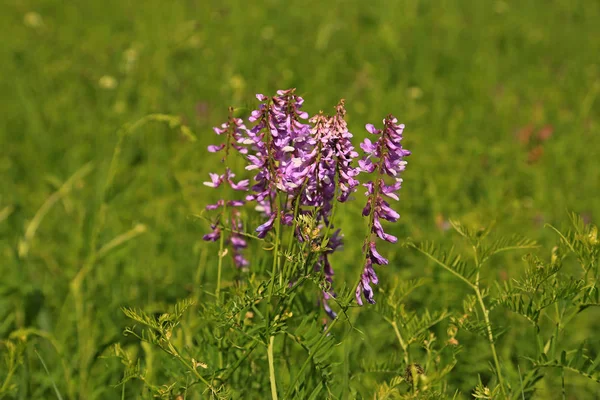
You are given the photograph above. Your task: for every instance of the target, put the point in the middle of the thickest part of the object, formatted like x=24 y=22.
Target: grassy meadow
x=98 y=201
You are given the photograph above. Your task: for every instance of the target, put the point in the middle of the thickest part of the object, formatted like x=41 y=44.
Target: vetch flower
x=237 y=241
x=216 y=180
x=277 y=143
x=364 y=288
x=214 y=235
x=235 y=132
x=300 y=169
x=329 y=164
x=385 y=157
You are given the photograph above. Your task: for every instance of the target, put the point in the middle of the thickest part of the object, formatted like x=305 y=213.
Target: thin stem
x=269 y=297
x=562 y=377
x=402 y=343
x=172 y=350
x=488 y=326
x=219 y=267
x=274 y=266
x=235 y=366
x=272 y=368
x=290 y=391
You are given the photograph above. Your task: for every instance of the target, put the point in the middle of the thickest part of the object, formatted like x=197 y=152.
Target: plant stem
x=272 y=368
x=219 y=268
x=309 y=358
x=232 y=369
x=402 y=343
x=488 y=326
x=269 y=297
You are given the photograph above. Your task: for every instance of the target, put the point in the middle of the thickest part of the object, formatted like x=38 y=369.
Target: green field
x=500 y=101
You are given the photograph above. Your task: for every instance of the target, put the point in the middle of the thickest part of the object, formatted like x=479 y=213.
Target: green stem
x=290 y=391
x=235 y=366
x=488 y=326
x=274 y=266
x=171 y=349
x=269 y=297
x=272 y=368
x=402 y=343
x=219 y=268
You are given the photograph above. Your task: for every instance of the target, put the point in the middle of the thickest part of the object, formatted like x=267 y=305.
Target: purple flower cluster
x=278 y=143
x=301 y=167
x=385 y=157
x=233 y=129
x=330 y=162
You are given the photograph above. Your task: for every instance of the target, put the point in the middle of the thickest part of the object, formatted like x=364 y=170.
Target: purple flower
x=375 y=257
x=214 y=235
x=235 y=131
x=237 y=241
x=364 y=287
x=216 y=180
x=301 y=167
x=278 y=142
x=266 y=227
x=233 y=238
x=385 y=157
x=335 y=243
x=329 y=164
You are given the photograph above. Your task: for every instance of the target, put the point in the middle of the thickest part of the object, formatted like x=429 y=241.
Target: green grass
x=465 y=76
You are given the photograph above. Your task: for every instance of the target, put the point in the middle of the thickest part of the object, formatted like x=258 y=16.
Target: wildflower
x=214 y=235
x=385 y=157
x=237 y=241
x=330 y=162
x=235 y=132
x=234 y=129
x=278 y=142
x=216 y=180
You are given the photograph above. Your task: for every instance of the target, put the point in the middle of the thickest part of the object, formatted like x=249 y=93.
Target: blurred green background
x=499 y=99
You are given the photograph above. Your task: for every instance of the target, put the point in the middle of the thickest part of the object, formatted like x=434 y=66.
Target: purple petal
x=236 y=203
x=241 y=185
x=238 y=242
x=371 y=129
x=376 y=258
x=266 y=227
x=366 y=165
x=215 y=206
x=358 y=294
x=368 y=146
x=213 y=236
x=214 y=148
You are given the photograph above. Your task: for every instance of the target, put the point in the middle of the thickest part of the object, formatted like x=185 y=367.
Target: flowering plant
x=302 y=167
